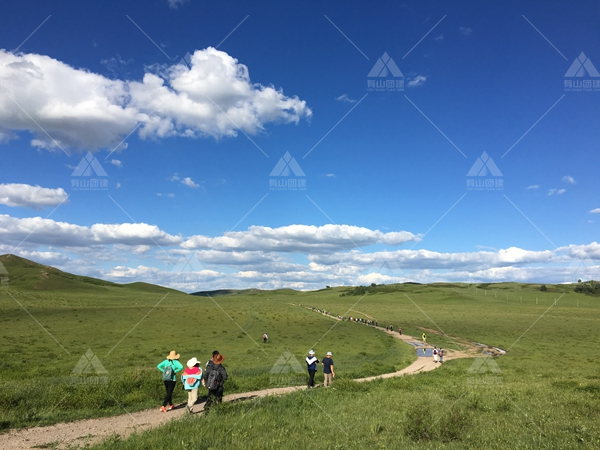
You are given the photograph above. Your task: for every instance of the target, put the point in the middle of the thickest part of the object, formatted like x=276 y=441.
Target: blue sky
x=188 y=144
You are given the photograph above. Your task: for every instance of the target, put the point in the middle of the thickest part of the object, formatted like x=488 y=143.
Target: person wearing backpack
x=191 y=382
x=214 y=378
x=169 y=368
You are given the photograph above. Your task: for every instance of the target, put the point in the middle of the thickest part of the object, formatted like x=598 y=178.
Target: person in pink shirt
x=191 y=382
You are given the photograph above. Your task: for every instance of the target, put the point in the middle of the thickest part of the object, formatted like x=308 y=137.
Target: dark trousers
x=169 y=386
x=311 y=377
x=214 y=396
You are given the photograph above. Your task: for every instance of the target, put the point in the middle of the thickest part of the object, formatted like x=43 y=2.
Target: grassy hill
x=547 y=394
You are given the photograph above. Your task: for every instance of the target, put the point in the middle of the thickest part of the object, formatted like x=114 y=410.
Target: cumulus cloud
x=568 y=179
x=27 y=196
x=116 y=162
x=190 y=183
x=84 y=110
x=595 y=211
x=49 y=232
x=556 y=191
x=175 y=4
x=532 y=187
x=417 y=81
x=300 y=238
x=345 y=98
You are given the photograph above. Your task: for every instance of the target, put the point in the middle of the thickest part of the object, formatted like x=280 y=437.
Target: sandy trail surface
x=96 y=430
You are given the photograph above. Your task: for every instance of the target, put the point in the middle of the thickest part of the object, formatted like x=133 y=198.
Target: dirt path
x=94 y=431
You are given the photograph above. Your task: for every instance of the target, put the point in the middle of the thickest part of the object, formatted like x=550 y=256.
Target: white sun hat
x=192 y=362
x=312 y=352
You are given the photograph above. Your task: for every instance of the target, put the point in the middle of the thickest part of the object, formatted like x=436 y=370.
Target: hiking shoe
x=163 y=409
x=170 y=408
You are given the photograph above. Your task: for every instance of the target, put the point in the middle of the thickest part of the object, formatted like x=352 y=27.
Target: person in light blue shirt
x=169 y=368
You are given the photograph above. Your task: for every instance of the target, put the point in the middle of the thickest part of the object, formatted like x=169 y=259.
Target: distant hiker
x=214 y=378
x=441 y=355
x=424 y=339
x=191 y=382
x=328 y=371
x=265 y=338
x=311 y=363
x=435 y=355
x=169 y=367
x=400 y=330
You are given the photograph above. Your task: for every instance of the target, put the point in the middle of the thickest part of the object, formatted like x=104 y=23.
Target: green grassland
x=546 y=395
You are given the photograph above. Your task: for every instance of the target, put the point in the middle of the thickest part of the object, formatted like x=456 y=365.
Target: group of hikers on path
x=212 y=378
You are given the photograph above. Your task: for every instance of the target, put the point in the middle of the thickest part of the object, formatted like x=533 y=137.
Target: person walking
x=441 y=355
x=435 y=355
x=400 y=331
x=311 y=363
x=169 y=368
x=424 y=338
x=214 y=378
x=191 y=382
x=328 y=372
x=265 y=338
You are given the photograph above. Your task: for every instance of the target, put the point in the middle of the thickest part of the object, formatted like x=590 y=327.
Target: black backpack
x=214 y=380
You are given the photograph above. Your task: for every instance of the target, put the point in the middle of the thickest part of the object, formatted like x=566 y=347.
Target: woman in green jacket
x=169 y=368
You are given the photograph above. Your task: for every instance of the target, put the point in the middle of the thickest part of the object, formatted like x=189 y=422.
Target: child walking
x=191 y=382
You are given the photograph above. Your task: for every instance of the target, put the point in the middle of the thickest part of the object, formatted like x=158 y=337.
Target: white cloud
x=175 y=4
x=116 y=162
x=174 y=177
x=417 y=81
x=532 y=187
x=440 y=37
x=556 y=191
x=190 y=183
x=48 y=232
x=166 y=195
x=300 y=238
x=27 y=196
x=568 y=179
x=595 y=211
x=84 y=110
x=345 y=98
x=330 y=175
x=118 y=186
x=464 y=30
